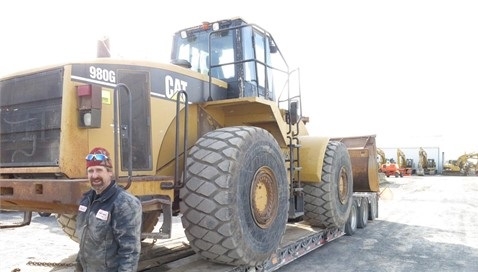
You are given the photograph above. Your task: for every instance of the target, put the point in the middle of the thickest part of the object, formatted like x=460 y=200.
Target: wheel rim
x=264 y=197
x=343 y=186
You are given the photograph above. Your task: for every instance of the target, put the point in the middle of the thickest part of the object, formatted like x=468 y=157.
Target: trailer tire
x=327 y=203
x=373 y=209
x=351 y=225
x=362 y=218
x=235 y=196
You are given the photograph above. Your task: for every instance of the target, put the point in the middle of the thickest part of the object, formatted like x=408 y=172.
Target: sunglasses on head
x=96 y=157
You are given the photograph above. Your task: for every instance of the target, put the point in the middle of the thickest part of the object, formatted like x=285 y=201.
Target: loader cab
x=243 y=55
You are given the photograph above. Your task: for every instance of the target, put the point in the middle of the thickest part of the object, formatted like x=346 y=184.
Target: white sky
x=405 y=70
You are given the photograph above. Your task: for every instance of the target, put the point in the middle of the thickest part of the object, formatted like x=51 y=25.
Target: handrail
x=178 y=183
x=116 y=132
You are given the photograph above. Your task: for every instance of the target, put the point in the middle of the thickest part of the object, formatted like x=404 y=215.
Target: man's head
x=99 y=169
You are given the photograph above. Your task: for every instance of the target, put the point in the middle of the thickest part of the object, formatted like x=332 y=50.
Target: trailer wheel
x=327 y=203
x=373 y=209
x=235 y=199
x=362 y=218
x=351 y=225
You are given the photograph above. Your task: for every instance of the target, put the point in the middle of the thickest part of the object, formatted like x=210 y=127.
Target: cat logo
x=173 y=86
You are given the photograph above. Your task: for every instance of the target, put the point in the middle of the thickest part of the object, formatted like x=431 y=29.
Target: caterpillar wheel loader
x=216 y=137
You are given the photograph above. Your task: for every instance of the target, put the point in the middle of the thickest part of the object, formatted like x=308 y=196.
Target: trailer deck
x=176 y=256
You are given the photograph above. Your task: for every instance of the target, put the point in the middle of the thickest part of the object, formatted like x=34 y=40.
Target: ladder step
x=295 y=145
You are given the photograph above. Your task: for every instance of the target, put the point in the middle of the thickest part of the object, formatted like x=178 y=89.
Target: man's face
x=99 y=177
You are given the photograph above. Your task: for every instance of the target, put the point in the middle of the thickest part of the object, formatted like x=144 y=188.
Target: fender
x=312 y=154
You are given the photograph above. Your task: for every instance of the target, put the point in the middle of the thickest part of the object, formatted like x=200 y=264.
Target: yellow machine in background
x=403 y=164
x=465 y=165
x=426 y=166
x=381 y=159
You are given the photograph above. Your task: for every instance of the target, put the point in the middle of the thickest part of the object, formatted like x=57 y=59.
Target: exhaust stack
x=103 y=48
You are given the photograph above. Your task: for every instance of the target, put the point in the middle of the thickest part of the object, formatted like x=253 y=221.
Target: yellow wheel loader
x=217 y=137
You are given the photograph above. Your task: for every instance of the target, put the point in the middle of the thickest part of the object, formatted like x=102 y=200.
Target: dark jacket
x=109 y=229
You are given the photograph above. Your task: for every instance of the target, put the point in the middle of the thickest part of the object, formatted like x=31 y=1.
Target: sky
x=406 y=71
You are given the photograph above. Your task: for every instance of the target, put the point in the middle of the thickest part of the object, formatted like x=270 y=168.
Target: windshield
x=195 y=49
x=244 y=56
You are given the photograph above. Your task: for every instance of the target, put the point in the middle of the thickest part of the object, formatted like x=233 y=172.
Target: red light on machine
x=83 y=90
x=89 y=106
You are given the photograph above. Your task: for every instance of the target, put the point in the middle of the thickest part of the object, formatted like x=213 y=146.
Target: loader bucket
x=363 y=155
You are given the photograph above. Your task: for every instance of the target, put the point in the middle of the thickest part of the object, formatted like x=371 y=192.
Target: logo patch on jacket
x=101 y=214
x=82 y=208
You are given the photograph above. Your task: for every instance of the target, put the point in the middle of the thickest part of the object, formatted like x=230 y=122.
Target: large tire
x=327 y=203
x=68 y=225
x=235 y=199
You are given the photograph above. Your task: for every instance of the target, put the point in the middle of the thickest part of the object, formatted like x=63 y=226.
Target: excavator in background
x=426 y=166
x=463 y=166
x=403 y=164
x=381 y=159
x=388 y=167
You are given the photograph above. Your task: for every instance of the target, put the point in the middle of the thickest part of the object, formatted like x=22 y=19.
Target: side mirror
x=272 y=47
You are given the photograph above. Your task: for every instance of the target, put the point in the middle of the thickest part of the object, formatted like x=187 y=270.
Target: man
x=109 y=221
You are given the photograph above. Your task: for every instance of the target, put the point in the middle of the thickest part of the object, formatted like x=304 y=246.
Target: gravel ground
x=425 y=224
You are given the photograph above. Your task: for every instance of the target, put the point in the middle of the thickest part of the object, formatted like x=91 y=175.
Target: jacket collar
x=107 y=193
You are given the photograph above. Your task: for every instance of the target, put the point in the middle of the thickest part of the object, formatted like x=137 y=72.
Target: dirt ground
x=425 y=224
